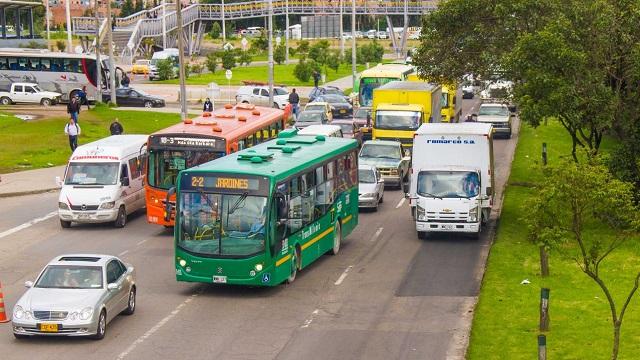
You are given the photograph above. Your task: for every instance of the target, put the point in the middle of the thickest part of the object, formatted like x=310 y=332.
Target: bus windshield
x=164 y=164
x=367 y=85
x=82 y=173
x=448 y=184
x=222 y=224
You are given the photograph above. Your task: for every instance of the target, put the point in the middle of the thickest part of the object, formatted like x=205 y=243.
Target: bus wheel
x=295 y=261
x=337 y=238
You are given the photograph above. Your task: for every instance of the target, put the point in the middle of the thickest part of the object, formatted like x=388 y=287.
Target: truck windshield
x=222 y=224
x=398 y=120
x=448 y=184
x=164 y=165
x=444 y=100
x=81 y=173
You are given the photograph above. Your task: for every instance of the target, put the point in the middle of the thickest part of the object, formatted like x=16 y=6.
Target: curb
x=28 y=192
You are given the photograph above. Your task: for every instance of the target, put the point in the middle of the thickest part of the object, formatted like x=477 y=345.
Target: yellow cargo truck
x=451 y=101
x=400 y=107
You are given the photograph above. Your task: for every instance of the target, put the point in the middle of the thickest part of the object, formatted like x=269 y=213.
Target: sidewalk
x=30 y=181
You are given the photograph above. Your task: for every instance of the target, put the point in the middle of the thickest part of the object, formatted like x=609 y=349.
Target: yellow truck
x=400 y=107
x=451 y=102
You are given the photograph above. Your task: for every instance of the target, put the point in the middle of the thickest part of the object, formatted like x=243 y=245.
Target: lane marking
x=28 y=224
x=141 y=242
x=343 y=276
x=375 y=236
x=123 y=253
x=156 y=327
x=400 y=203
x=310 y=320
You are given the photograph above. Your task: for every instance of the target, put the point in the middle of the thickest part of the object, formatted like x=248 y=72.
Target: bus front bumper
x=461 y=227
x=266 y=277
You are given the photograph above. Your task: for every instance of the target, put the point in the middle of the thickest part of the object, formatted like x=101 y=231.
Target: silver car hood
x=379 y=162
x=60 y=299
x=366 y=188
x=492 y=118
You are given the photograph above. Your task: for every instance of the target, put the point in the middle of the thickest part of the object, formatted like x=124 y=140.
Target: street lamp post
x=181 y=64
x=68 y=11
x=270 y=34
x=48 y=15
x=286 y=33
x=164 y=25
x=112 y=60
x=224 y=31
x=98 y=64
x=353 y=42
x=341 y=29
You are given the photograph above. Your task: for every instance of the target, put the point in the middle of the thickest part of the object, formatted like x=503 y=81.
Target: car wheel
x=382 y=199
x=20 y=336
x=148 y=104
x=65 y=224
x=45 y=102
x=102 y=326
x=5 y=101
x=121 y=220
x=337 y=238
x=131 y=305
x=295 y=260
x=275 y=105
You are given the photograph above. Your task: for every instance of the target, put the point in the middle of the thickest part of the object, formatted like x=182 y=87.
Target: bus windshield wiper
x=238 y=202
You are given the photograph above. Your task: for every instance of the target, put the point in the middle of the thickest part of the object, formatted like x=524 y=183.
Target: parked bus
x=377 y=76
x=64 y=73
x=198 y=141
x=259 y=216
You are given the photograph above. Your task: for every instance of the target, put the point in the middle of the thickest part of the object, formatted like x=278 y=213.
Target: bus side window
x=265 y=134
x=4 y=63
x=249 y=141
x=330 y=188
x=308 y=198
x=295 y=206
x=241 y=144
x=258 y=137
x=320 y=192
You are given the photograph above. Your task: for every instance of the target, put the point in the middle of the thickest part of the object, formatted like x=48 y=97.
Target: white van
x=324 y=130
x=103 y=181
x=169 y=53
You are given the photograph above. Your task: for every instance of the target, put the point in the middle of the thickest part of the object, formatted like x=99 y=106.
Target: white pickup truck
x=27 y=93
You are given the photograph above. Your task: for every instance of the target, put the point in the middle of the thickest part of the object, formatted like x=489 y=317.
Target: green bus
x=258 y=216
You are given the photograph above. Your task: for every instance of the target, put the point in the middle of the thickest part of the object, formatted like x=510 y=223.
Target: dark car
x=327 y=90
x=308 y=117
x=339 y=106
x=362 y=118
x=133 y=97
x=350 y=129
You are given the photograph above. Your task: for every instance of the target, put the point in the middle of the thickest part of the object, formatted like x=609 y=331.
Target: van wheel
x=45 y=102
x=65 y=224
x=121 y=220
x=5 y=101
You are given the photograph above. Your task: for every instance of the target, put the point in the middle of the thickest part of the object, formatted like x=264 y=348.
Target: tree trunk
x=544 y=262
x=616 y=340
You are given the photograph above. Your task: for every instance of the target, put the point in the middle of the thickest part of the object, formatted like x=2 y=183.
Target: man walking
x=294 y=100
x=72 y=129
x=73 y=108
x=316 y=78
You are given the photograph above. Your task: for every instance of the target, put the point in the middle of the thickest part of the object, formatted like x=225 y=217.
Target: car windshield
x=315 y=107
x=380 y=151
x=494 y=110
x=346 y=128
x=142 y=62
x=448 y=184
x=165 y=164
x=333 y=91
x=222 y=224
x=398 y=120
x=81 y=173
x=279 y=91
x=366 y=176
x=308 y=116
x=70 y=277
x=362 y=113
x=333 y=98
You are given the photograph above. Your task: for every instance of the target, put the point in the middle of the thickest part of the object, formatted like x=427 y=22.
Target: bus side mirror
x=167 y=204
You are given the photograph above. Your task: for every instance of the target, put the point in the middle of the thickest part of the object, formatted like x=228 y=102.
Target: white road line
x=141 y=242
x=375 y=236
x=123 y=253
x=343 y=276
x=400 y=203
x=310 y=320
x=156 y=327
x=28 y=224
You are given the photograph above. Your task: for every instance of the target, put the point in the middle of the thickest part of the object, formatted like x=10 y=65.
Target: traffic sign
x=278 y=40
x=228 y=74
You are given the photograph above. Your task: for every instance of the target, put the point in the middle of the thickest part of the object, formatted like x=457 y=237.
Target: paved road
x=387 y=295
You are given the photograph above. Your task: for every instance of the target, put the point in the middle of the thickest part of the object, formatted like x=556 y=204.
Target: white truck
x=27 y=93
x=452 y=185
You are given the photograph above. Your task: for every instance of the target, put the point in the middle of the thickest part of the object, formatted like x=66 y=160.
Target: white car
x=259 y=95
x=371 y=34
x=382 y=35
x=359 y=35
x=347 y=36
x=370 y=187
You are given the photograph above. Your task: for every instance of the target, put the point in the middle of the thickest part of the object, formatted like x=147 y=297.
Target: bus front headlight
x=182 y=262
x=258 y=267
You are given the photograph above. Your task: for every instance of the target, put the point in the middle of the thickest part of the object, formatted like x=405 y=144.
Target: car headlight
x=473 y=214
x=86 y=313
x=420 y=213
x=108 y=205
x=18 y=312
x=368 y=195
x=63 y=205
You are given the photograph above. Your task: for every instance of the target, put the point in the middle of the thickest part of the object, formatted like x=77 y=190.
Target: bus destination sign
x=187 y=142
x=225 y=184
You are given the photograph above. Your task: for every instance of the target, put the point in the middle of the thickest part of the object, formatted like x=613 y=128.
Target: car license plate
x=447 y=227
x=343 y=111
x=83 y=216
x=220 y=279
x=49 y=327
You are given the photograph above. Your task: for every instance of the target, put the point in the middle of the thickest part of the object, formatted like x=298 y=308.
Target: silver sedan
x=75 y=295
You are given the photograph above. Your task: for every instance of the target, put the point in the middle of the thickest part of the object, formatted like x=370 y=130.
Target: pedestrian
x=294 y=100
x=316 y=78
x=82 y=94
x=125 y=80
x=113 y=23
x=73 y=108
x=116 y=128
x=208 y=106
x=72 y=129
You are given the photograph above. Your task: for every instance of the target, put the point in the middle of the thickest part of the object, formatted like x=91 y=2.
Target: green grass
x=42 y=143
x=505 y=325
x=283 y=74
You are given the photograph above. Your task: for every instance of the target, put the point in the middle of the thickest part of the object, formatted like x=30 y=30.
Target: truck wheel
x=5 y=101
x=45 y=102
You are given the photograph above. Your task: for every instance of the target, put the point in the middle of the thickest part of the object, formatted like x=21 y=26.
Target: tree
x=165 y=69
x=303 y=47
x=139 y=6
x=583 y=211
x=212 y=62
x=127 y=8
x=216 y=30
x=245 y=58
x=303 y=70
x=61 y=45
x=279 y=54
x=147 y=47
x=228 y=59
x=260 y=43
x=333 y=60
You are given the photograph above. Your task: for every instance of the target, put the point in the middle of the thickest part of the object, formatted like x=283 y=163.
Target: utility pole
x=353 y=42
x=181 y=64
x=270 y=34
x=286 y=33
x=48 y=15
x=164 y=25
x=112 y=60
x=224 y=31
x=68 y=10
x=98 y=64
x=341 y=29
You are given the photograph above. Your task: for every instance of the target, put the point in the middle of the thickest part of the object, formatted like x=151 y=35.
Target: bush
x=165 y=69
x=303 y=70
x=197 y=68
x=333 y=60
x=61 y=45
x=260 y=43
x=245 y=58
x=215 y=30
x=279 y=55
x=33 y=45
x=370 y=53
x=228 y=59
x=303 y=47
x=292 y=51
x=212 y=62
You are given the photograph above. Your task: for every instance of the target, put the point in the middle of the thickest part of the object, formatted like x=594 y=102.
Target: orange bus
x=197 y=141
